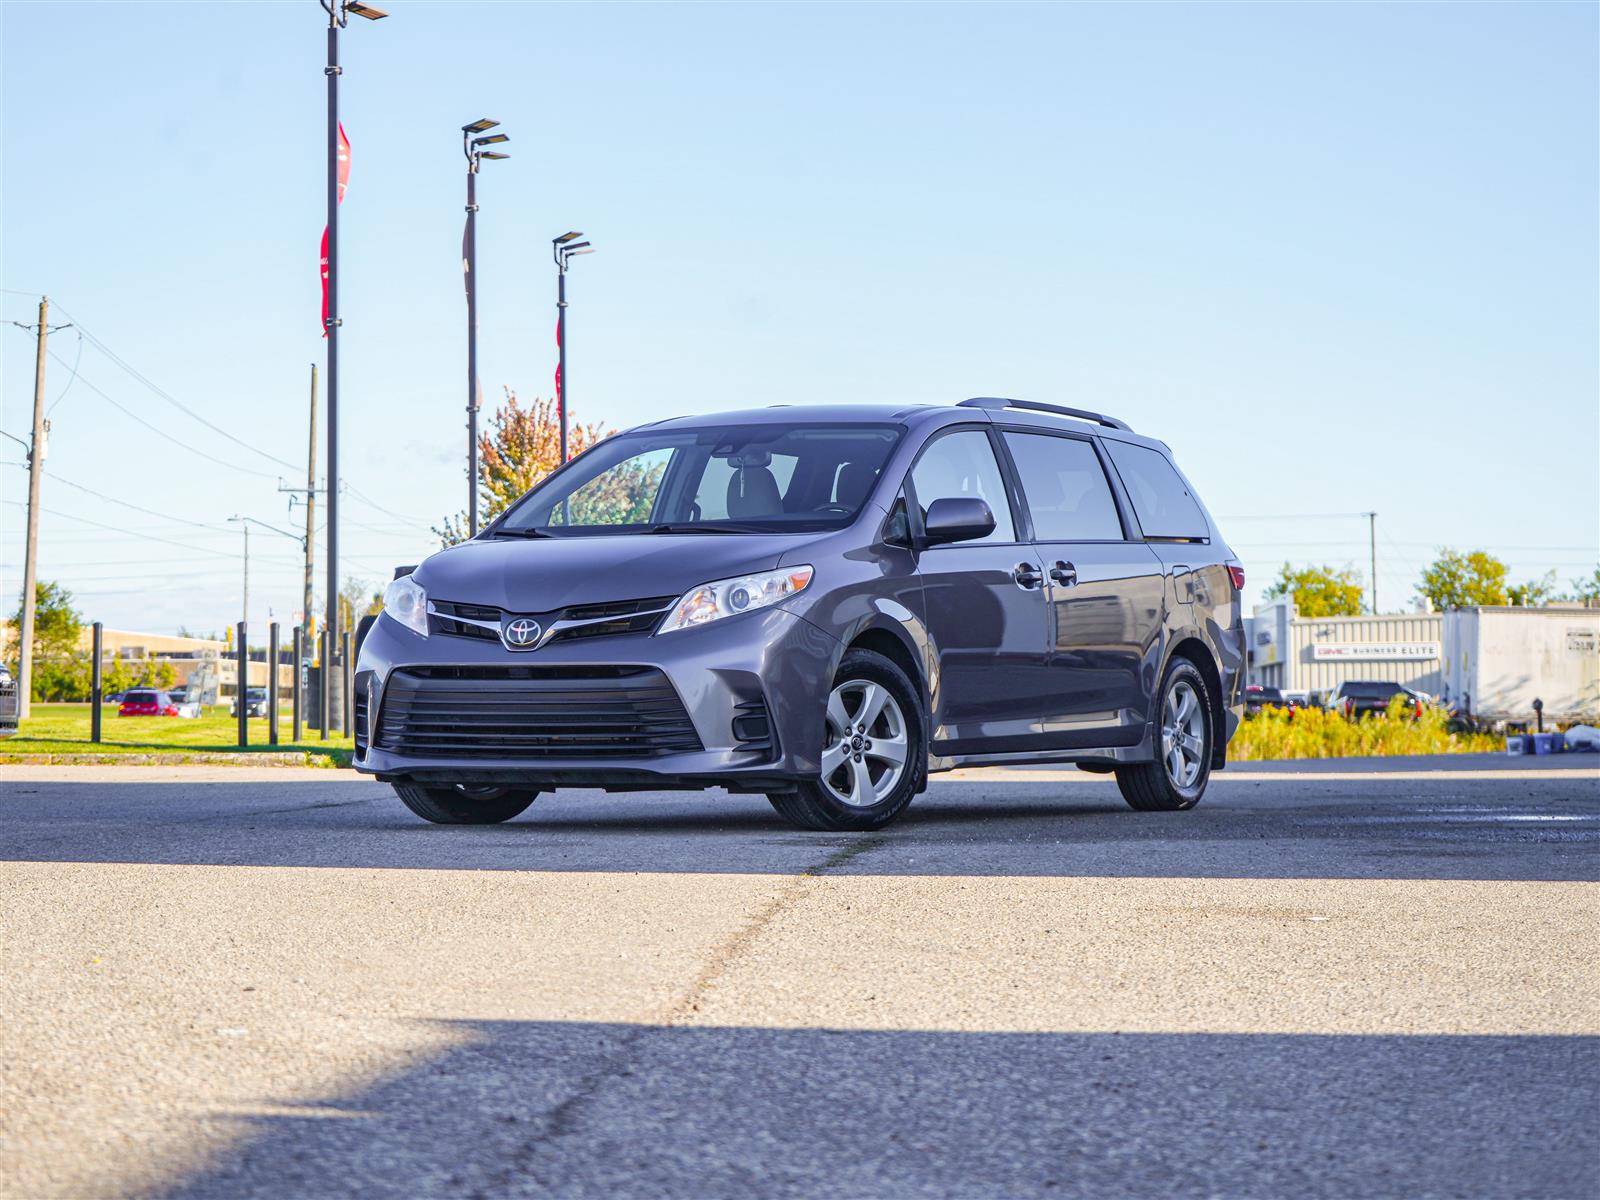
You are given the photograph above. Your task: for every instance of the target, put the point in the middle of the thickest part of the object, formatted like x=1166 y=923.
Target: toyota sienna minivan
x=822 y=605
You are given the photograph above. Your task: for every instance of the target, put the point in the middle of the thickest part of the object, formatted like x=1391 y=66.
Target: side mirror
x=957 y=519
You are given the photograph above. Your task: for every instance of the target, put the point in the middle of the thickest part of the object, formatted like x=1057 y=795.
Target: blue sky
x=1340 y=257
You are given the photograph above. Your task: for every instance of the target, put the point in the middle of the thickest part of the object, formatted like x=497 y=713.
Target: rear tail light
x=1236 y=573
x=1419 y=710
x=1349 y=707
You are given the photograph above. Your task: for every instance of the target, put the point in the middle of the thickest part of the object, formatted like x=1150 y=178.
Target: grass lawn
x=60 y=732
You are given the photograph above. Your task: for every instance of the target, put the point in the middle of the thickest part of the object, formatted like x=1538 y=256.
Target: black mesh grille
x=627 y=616
x=444 y=614
x=359 y=718
x=533 y=713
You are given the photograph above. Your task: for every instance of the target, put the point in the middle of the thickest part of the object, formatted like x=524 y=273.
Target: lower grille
x=533 y=713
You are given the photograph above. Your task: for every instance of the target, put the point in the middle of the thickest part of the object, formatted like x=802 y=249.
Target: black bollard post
x=272 y=684
x=95 y=697
x=241 y=691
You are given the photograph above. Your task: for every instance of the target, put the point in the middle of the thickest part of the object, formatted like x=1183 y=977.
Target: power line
x=149 y=537
x=168 y=397
x=163 y=433
x=150 y=512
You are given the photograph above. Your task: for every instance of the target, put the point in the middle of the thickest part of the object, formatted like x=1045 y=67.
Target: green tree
x=358 y=599
x=1457 y=580
x=1535 y=592
x=56 y=624
x=1587 y=591
x=1319 y=591
x=521 y=447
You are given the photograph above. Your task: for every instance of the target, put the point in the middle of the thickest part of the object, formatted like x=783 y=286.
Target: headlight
x=406 y=602
x=730 y=597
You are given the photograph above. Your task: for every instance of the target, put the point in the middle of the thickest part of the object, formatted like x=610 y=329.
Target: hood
x=544 y=574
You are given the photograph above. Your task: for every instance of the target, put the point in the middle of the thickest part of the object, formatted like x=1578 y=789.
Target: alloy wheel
x=864 y=752
x=1183 y=729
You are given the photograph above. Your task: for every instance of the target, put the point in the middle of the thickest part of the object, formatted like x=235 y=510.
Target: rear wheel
x=463 y=804
x=1177 y=779
x=871 y=753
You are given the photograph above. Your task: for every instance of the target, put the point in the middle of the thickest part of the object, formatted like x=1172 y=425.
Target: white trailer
x=1498 y=661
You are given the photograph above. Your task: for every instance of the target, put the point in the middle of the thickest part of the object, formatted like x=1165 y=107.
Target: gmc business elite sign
x=1376 y=651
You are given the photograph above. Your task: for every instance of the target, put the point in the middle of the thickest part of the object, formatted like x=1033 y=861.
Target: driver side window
x=963 y=464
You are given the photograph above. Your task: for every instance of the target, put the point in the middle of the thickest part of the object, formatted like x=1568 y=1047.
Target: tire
x=463 y=805
x=1177 y=778
x=866 y=781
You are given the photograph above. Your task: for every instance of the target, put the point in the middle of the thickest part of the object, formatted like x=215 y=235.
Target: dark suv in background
x=822 y=605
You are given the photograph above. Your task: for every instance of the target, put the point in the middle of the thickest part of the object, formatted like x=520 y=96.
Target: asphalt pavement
x=1331 y=979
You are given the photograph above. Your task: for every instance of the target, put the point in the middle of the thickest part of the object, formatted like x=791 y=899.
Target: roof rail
x=1060 y=410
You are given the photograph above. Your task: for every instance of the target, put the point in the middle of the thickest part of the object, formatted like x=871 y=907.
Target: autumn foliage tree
x=1319 y=591
x=521 y=447
x=1457 y=580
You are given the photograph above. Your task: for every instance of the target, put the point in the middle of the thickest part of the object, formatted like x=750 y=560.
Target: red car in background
x=142 y=702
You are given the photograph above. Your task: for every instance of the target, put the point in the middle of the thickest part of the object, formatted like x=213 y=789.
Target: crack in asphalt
x=565 y=1118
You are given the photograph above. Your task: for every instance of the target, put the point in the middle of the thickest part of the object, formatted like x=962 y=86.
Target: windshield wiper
x=521 y=533
x=669 y=528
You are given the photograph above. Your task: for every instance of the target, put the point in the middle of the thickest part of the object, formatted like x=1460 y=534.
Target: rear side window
x=963 y=464
x=1160 y=500
x=1068 y=495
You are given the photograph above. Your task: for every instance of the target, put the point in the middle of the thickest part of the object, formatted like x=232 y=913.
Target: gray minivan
x=822 y=605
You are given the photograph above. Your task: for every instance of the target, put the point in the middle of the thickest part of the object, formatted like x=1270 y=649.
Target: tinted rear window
x=140 y=698
x=1372 y=691
x=1160 y=500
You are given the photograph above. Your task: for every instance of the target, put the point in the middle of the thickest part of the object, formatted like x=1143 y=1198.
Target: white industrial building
x=1490 y=662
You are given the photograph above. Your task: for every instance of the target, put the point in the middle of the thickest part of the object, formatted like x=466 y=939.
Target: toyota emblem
x=522 y=632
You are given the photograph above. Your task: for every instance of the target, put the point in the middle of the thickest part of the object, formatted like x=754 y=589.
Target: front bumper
x=720 y=672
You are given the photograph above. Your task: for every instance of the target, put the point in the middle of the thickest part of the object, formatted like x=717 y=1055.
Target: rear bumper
x=769 y=660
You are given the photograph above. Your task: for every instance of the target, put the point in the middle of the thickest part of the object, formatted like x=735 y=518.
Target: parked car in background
x=1359 y=698
x=823 y=604
x=10 y=702
x=147 y=702
x=255 y=700
x=1258 y=696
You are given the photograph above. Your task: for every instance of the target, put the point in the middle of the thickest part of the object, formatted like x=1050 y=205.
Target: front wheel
x=1177 y=779
x=872 y=751
x=462 y=804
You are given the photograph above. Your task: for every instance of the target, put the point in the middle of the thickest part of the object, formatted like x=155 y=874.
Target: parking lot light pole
x=473 y=147
x=339 y=14
x=564 y=249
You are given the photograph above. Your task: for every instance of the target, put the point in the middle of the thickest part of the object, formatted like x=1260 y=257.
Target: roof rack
x=1060 y=410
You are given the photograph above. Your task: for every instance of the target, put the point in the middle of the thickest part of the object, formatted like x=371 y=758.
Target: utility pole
x=246 y=574
x=1372 y=547
x=30 y=559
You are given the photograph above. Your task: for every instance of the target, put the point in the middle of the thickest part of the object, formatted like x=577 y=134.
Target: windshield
x=770 y=478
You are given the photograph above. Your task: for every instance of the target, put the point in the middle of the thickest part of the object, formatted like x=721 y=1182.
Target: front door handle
x=1063 y=573
x=1027 y=576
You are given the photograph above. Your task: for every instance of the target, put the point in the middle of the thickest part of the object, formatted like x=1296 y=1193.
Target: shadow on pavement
x=576 y=1110
x=1249 y=826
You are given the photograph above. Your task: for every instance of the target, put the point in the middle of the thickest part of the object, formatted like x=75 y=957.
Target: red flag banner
x=344 y=162
x=344 y=182
x=324 y=281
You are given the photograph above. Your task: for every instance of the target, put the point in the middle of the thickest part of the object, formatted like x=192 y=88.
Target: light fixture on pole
x=339 y=14
x=473 y=148
x=563 y=249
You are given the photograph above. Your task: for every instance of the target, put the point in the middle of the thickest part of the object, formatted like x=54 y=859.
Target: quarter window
x=1160 y=499
x=1068 y=496
x=963 y=464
